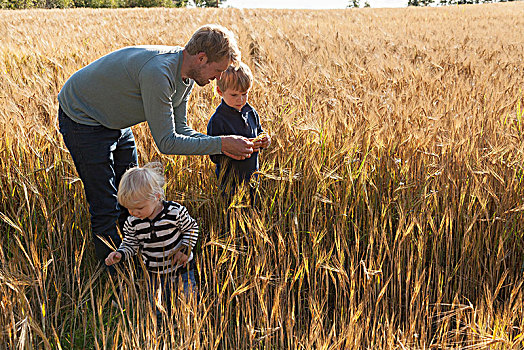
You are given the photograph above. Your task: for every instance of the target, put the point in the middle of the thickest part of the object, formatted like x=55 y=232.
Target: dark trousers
x=101 y=156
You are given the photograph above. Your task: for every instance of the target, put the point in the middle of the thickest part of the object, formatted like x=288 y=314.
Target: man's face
x=204 y=72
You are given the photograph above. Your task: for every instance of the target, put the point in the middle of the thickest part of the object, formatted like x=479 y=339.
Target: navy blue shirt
x=228 y=121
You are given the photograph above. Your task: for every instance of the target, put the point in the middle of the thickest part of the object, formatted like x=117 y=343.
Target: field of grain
x=392 y=195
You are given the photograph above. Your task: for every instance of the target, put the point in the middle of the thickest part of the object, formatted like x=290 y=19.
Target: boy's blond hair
x=216 y=42
x=139 y=184
x=237 y=78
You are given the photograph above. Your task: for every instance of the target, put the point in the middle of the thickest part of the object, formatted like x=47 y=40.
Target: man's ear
x=202 y=57
x=219 y=91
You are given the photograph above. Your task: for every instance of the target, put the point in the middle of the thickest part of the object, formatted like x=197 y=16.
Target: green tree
x=25 y=4
x=16 y=4
x=354 y=3
x=208 y=3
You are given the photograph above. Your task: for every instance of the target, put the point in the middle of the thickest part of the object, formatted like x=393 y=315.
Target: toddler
x=162 y=230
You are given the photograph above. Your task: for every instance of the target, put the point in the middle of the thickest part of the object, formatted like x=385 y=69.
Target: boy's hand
x=261 y=141
x=180 y=259
x=113 y=258
x=236 y=147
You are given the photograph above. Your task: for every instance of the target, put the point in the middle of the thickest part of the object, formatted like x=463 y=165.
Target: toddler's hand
x=113 y=258
x=180 y=259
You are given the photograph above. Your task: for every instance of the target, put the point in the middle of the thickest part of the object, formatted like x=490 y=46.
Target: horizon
x=311 y=4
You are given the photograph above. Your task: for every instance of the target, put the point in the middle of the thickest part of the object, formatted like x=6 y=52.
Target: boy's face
x=234 y=98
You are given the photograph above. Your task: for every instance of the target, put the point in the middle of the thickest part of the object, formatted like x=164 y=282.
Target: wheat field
x=392 y=194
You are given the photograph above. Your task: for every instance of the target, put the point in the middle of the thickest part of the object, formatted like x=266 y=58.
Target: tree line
x=25 y=4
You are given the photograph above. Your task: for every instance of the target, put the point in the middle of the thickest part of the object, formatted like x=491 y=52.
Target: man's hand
x=180 y=259
x=113 y=258
x=237 y=147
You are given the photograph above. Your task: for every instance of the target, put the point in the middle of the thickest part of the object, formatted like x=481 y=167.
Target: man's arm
x=236 y=147
x=156 y=86
x=180 y=118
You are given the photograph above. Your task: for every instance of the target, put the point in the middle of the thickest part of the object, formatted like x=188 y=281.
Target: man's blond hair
x=237 y=78
x=216 y=42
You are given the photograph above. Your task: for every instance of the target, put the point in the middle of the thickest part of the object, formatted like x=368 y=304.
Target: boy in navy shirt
x=234 y=116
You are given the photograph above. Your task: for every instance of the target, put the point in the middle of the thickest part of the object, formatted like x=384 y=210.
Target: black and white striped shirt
x=159 y=239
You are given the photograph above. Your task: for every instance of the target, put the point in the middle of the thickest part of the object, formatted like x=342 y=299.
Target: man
x=100 y=102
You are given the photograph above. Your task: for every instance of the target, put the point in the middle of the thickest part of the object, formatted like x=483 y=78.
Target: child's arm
x=189 y=228
x=127 y=248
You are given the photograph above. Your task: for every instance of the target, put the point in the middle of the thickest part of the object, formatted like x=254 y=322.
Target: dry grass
x=392 y=193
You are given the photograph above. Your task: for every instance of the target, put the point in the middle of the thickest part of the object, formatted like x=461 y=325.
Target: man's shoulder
x=145 y=52
x=158 y=68
x=157 y=49
x=153 y=58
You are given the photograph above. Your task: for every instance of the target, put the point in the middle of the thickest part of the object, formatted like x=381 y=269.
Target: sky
x=309 y=4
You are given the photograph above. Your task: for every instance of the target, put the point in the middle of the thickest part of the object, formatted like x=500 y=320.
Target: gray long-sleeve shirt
x=136 y=84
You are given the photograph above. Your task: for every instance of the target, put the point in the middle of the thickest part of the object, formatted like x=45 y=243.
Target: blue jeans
x=101 y=156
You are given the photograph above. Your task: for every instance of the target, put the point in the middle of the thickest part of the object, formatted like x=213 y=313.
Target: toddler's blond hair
x=139 y=184
x=237 y=78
